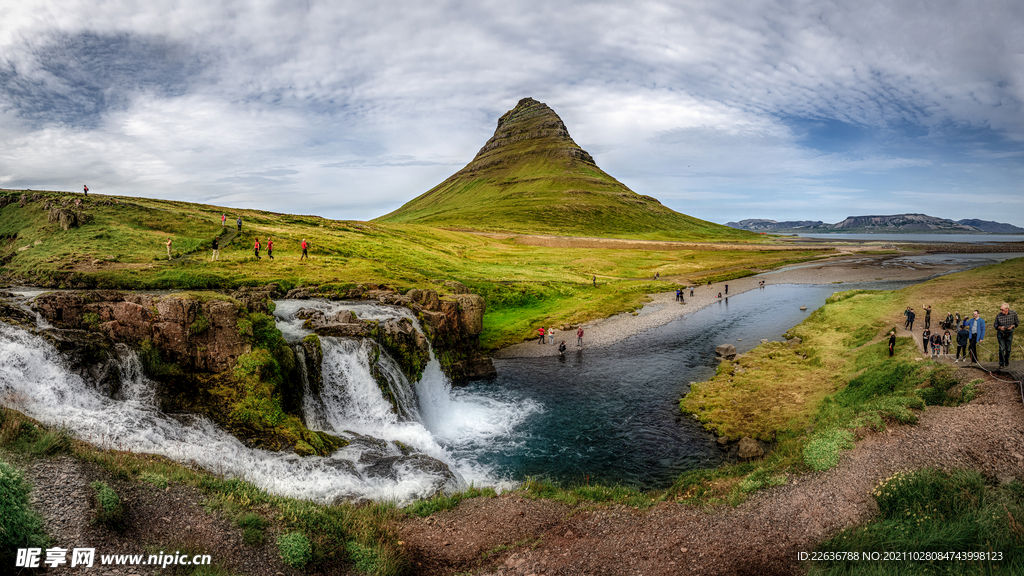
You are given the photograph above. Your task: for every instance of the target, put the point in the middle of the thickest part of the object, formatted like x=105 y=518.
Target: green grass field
x=123 y=247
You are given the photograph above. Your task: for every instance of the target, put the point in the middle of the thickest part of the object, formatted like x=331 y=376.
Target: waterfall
x=135 y=387
x=35 y=381
x=384 y=459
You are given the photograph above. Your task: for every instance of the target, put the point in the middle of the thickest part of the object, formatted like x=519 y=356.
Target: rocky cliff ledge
x=451 y=322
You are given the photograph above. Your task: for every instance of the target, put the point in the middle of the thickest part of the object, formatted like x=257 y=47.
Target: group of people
x=969 y=332
x=550 y=333
x=215 y=244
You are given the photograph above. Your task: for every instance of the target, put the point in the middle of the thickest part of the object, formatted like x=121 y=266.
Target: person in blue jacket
x=976 y=326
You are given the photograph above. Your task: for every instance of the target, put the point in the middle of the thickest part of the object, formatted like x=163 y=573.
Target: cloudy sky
x=721 y=109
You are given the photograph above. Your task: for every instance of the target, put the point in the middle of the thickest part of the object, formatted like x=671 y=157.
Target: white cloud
x=366 y=106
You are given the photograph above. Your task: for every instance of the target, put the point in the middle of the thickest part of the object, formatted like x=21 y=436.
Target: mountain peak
x=531 y=177
x=531 y=127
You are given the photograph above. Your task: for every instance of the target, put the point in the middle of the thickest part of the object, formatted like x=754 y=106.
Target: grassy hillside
x=123 y=247
x=531 y=177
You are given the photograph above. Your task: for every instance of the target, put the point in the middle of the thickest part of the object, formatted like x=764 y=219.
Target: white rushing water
x=35 y=380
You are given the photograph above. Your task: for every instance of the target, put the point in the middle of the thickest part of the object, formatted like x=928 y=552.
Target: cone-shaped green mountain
x=530 y=177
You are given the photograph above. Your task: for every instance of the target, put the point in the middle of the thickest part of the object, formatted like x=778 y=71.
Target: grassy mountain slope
x=123 y=247
x=531 y=177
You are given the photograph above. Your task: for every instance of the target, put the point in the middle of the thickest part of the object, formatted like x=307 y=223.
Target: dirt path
x=762 y=536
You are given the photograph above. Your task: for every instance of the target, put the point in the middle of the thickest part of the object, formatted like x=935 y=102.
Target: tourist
x=270 y=247
x=926 y=339
x=168 y=244
x=541 y=331
x=679 y=294
x=936 y=344
x=561 y=348
x=595 y=281
x=957 y=319
x=216 y=248
x=579 y=337
x=977 y=327
x=963 y=338
x=727 y=289
x=239 y=223
x=304 y=247
x=691 y=291
x=906 y=317
x=892 y=343
x=223 y=219
x=256 y=248
x=911 y=319
x=927 y=317
x=551 y=335
x=946 y=341
x=85 y=189
x=719 y=294
x=948 y=324
x=1006 y=323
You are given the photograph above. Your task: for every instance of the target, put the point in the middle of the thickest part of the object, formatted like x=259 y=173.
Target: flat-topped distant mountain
x=897 y=223
x=531 y=177
x=759 y=225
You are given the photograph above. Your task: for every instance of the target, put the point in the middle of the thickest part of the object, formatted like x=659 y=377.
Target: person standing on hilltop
x=977 y=328
x=239 y=223
x=256 y=248
x=216 y=248
x=927 y=317
x=270 y=247
x=85 y=189
x=1006 y=323
x=304 y=247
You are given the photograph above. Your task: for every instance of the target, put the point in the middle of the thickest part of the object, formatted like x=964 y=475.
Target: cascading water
x=426 y=416
x=376 y=465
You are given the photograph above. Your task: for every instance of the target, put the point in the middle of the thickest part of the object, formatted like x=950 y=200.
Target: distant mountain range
x=897 y=223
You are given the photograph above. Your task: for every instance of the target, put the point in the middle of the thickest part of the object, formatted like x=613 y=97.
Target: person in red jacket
x=256 y=249
x=304 y=246
x=270 y=247
x=541 y=331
